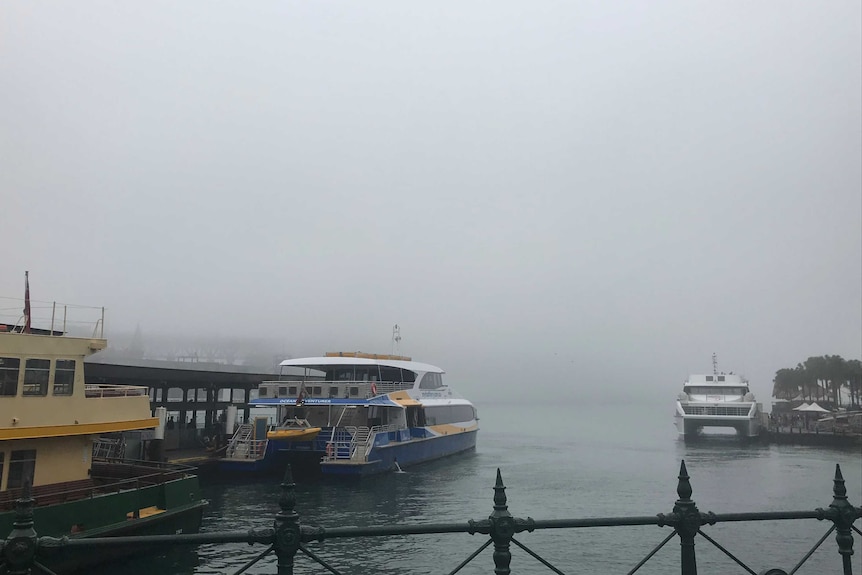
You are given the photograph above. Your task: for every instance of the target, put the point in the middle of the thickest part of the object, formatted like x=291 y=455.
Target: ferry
x=353 y=414
x=50 y=423
x=717 y=400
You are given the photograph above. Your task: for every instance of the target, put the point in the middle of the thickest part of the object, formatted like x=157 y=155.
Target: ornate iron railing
x=23 y=550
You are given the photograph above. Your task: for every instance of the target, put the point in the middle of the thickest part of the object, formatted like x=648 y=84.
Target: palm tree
x=816 y=369
x=853 y=372
x=835 y=373
x=786 y=383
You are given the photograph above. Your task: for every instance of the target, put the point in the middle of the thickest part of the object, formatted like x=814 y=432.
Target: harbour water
x=557 y=461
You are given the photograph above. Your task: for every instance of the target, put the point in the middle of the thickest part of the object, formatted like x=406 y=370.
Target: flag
x=373 y=388
x=26 y=302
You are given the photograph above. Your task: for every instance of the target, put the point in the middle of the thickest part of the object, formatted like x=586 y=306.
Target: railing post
x=19 y=552
x=842 y=514
x=687 y=522
x=502 y=528
x=287 y=529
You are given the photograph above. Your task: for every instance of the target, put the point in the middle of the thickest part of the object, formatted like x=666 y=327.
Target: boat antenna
x=26 y=302
x=396 y=339
x=714 y=364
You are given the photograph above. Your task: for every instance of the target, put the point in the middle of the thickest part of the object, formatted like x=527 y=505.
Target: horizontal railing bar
x=768 y=516
x=383 y=530
x=311 y=533
x=594 y=522
x=266 y=536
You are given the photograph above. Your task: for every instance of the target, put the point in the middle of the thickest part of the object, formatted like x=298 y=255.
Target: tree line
x=820 y=378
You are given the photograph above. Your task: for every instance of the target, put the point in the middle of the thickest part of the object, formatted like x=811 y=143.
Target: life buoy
x=329 y=450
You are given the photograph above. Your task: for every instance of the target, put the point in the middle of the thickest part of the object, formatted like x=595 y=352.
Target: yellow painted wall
x=57 y=460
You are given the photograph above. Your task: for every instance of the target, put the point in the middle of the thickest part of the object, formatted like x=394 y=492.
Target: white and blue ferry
x=353 y=414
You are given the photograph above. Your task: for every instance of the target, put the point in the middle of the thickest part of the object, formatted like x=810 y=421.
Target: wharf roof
x=182 y=374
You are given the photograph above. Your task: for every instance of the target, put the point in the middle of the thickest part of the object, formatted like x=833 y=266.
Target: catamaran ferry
x=354 y=414
x=717 y=400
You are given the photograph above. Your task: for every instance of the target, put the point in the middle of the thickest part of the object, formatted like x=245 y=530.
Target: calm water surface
x=557 y=462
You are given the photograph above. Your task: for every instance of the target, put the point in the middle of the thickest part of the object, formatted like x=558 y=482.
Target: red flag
x=373 y=388
x=26 y=302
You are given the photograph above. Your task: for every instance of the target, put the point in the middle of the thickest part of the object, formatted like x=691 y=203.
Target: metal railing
x=86 y=319
x=110 y=390
x=288 y=538
x=363 y=388
x=140 y=473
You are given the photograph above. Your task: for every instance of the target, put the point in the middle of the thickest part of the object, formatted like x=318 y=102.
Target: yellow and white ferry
x=49 y=422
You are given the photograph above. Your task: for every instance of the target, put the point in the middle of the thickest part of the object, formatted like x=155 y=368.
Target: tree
x=815 y=369
x=786 y=384
x=853 y=372
x=835 y=374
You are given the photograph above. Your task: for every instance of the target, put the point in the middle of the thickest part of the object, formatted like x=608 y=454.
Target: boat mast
x=714 y=364
x=396 y=340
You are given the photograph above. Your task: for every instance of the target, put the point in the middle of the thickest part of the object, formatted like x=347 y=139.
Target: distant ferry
x=354 y=414
x=717 y=400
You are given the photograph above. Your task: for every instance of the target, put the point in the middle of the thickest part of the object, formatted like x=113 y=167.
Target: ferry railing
x=363 y=385
x=246 y=449
x=129 y=474
x=84 y=319
x=96 y=390
x=23 y=550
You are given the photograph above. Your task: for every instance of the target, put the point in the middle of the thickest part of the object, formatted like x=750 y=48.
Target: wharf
x=796 y=436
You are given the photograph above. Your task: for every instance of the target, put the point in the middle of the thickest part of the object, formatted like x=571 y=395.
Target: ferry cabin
x=48 y=417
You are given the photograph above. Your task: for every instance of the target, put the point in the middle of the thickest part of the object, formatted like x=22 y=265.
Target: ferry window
x=316 y=390
x=291 y=391
x=354 y=391
x=438 y=415
x=262 y=392
x=720 y=378
x=36 y=376
x=708 y=378
x=282 y=391
x=333 y=392
x=64 y=376
x=22 y=465
x=431 y=381
x=396 y=375
x=9 y=367
x=704 y=390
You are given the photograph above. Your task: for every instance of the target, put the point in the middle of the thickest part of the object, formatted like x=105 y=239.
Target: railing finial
x=500 y=493
x=683 y=488
x=839 y=489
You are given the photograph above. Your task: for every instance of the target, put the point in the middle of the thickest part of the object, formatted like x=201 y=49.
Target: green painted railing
x=23 y=551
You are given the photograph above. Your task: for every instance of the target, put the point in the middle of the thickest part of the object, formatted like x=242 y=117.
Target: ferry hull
x=107 y=516
x=691 y=427
x=383 y=459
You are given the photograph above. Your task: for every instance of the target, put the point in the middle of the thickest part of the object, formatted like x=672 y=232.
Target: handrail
x=287 y=537
x=44 y=313
x=160 y=473
x=113 y=390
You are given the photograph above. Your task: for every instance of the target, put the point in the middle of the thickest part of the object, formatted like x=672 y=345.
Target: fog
x=572 y=198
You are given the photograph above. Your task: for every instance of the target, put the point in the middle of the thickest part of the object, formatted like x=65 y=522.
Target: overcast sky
x=587 y=195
